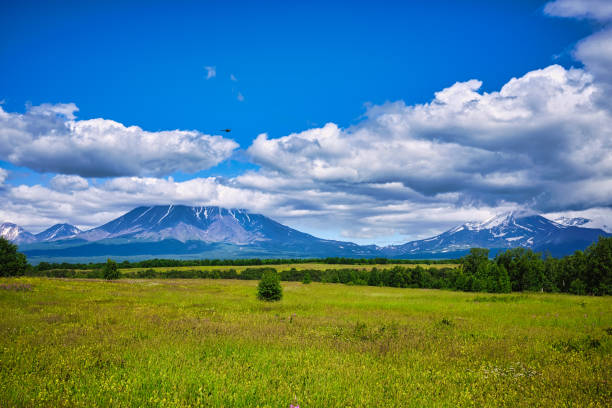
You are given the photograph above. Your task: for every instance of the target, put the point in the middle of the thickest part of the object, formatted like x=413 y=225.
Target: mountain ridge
x=503 y=231
x=205 y=231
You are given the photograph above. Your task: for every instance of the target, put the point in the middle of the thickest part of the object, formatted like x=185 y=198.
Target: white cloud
x=594 y=9
x=325 y=213
x=233 y=78
x=63 y=182
x=211 y=72
x=529 y=141
x=46 y=138
x=594 y=51
x=37 y=207
x=240 y=97
x=599 y=217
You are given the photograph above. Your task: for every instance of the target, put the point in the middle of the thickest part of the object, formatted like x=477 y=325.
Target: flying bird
x=225 y=130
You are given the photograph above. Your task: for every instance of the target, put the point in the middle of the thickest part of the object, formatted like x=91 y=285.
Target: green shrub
x=111 y=271
x=269 y=288
x=307 y=278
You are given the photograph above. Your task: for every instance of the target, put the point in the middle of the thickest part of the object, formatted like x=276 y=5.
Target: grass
x=284 y=267
x=179 y=343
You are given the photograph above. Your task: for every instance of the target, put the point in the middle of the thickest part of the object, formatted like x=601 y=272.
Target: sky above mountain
x=375 y=123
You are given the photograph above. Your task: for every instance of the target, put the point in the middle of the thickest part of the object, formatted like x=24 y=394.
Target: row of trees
x=584 y=272
x=173 y=263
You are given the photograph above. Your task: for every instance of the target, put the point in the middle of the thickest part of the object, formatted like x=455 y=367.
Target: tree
x=598 y=274
x=307 y=279
x=475 y=259
x=269 y=288
x=110 y=270
x=12 y=263
x=374 y=278
x=551 y=273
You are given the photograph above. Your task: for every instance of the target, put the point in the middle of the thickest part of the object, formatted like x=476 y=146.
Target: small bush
x=269 y=288
x=111 y=271
x=307 y=278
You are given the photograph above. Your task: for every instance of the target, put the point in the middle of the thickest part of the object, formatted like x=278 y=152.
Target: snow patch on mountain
x=16 y=234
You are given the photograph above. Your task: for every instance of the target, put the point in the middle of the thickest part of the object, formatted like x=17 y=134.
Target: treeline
x=518 y=269
x=174 y=263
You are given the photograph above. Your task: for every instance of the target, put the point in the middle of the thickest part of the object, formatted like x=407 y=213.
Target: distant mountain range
x=18 y=235
x=184 y=232
x=509 y=230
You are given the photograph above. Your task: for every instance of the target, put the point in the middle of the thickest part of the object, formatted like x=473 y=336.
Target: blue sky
x=280 y=68
x=297 y=65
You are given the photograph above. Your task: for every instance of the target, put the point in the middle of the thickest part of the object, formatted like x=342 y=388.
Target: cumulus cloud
x=87 y=205
x=323 y=213
x=527 y=143
x=63 y=182
x=594 y=51
x=47 y=138
x=211 y=72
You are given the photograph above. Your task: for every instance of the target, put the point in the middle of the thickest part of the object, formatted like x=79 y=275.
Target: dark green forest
x=165 y=263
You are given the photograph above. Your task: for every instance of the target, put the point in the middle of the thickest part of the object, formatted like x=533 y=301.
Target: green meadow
x=283 y=267
x=211 y=343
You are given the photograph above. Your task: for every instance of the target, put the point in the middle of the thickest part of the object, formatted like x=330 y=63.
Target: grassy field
x=182 y=343
x=284 y=267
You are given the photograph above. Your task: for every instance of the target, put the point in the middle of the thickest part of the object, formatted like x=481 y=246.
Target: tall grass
x=179 y=343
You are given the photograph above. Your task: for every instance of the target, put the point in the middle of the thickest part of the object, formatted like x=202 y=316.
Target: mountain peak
x=499 y=220
x=57 y=232
x=186 y=223
x=15 y=233
x=508 y=230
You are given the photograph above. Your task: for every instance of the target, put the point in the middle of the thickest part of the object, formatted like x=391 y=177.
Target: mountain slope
x=16 y=234
x=57 y=232
x=207 y=224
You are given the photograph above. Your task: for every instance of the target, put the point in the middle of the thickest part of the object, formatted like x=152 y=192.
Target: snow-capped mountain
x=183 y=231
x=508 y=230
x=183 y=223
x=16 y=234
x=179 y=231
x=57 y=232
